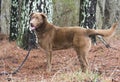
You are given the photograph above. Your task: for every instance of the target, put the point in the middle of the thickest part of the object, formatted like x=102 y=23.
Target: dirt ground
x=101 y=59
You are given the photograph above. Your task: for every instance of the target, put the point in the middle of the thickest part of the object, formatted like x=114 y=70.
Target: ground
x=102 y=60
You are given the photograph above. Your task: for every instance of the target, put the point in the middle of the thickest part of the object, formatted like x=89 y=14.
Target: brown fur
x=52 y=37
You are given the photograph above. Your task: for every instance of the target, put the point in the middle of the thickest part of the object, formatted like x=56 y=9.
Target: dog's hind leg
x=82 y=58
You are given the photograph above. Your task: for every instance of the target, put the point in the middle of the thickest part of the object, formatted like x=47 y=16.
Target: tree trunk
x=110 y=13
x=5 y=16
x=0 y=16
x=14 y=20
x=19 y=23
x=87 y=17
x=100 y=16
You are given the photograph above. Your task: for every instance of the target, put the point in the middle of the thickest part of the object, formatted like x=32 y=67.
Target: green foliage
x=77 y=76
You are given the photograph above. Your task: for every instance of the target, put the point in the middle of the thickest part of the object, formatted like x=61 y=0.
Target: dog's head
x=37 y=19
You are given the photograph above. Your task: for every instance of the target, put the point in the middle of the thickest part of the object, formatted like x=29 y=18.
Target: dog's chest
x=45 y=39
x=42 y=38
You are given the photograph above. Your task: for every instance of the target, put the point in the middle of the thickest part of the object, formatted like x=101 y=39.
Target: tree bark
x=0 y=16
x=14 y=20
x=110 y=13
x=87 y=18
x=25 y=8
x=5 y=16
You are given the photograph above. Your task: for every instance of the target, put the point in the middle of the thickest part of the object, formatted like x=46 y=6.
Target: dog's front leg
x=49 y=58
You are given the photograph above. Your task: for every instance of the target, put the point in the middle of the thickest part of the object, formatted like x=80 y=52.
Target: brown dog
x=52 y=37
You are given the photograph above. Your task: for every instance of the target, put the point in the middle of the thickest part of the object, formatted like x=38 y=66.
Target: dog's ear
x=43 y=15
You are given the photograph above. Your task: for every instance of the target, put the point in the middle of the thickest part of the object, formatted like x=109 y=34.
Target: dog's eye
x=36 y=17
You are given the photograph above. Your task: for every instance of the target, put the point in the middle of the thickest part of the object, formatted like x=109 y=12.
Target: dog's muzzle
x=32 y=27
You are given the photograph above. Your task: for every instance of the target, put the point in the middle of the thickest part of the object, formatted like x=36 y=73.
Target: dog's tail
x=103 y=32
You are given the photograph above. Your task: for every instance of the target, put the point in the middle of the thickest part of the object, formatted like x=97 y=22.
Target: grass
x=77 y=76
x=61 y=76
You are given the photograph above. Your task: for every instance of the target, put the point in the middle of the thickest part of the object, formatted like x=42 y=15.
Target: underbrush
x=60 y=76
x=79 y=77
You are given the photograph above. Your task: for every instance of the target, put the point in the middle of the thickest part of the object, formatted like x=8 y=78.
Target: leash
x=105 y=43
x=33 y=43
x=19 y=67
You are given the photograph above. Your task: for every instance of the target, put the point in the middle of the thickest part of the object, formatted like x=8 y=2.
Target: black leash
x=105 y=43
x=19 y=67
x=32 y=43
